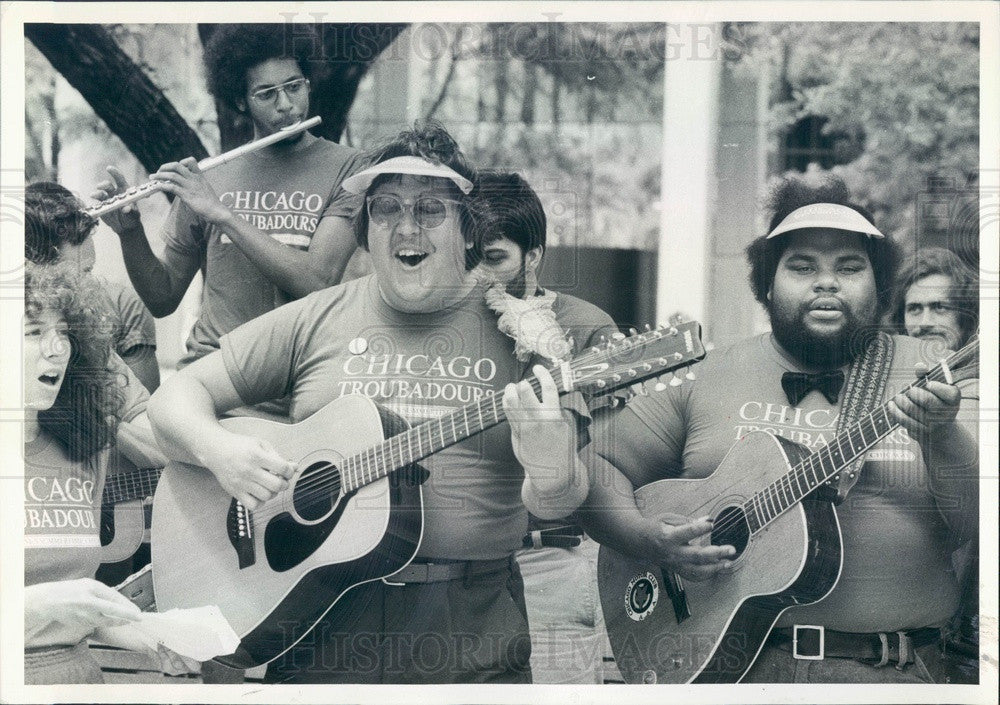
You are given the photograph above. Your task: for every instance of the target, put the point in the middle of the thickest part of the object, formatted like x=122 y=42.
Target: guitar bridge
x=239 y=527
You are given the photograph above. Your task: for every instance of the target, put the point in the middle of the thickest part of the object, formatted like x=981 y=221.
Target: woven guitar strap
x=862 y=395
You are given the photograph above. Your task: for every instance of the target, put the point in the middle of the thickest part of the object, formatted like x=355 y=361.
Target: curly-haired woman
x=72 y=406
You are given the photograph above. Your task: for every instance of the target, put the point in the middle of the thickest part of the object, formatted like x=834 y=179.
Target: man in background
x=264 y=229
x=938 y=298
x=938 y=302
x=558 y=561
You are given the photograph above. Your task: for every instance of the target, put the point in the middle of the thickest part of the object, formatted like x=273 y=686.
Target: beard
x=822 y=350
x=517 y=286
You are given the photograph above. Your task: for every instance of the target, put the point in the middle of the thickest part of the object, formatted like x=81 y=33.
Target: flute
x=154 y=185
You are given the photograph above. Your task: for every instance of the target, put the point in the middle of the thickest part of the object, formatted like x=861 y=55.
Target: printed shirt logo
x=59 y=513
x=418 y=386
x=289 y=218
x=813 y=428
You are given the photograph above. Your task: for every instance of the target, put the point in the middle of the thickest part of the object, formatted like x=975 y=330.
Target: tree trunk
x=120 y=93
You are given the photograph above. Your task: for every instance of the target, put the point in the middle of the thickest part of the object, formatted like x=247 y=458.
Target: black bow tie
x=798 y=384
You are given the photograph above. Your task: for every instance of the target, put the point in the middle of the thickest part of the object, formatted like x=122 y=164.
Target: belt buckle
x=821 y=634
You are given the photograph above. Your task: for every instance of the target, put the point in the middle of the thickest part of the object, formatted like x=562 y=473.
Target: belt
x=431 y=572
x=879 y=649
x=557 y=537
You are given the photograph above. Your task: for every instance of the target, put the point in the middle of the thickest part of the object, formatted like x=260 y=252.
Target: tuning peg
x=709 y=347
x=645 y=367
x=676 y=381
x=601 y=384
x=618 y=336
x=616 y=377
x=647 y=327
x=678 y=356
x=632 y=373
x=662 y=362
x=689 y=376
x=633 y=331
x=673 y=331
x=659 y=386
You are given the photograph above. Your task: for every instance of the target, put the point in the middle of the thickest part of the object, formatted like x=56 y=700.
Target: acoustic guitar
x=126 y=496
x=767 y=500
x=352 y=512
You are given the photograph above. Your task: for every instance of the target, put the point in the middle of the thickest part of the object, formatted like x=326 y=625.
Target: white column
x=690 y=128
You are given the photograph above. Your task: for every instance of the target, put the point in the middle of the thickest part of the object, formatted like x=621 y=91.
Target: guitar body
x=713 y=631
x=123 y=526
x=276 y=581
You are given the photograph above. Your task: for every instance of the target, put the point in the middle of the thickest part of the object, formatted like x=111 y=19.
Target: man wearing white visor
x=418 y=338
x=824 y=273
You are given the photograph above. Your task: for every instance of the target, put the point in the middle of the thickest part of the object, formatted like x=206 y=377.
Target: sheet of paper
x=198 y=633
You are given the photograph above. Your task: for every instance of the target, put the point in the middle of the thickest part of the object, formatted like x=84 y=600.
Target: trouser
x=568 y=636
x=61 y=665
x=777 y=664
x=469 y=628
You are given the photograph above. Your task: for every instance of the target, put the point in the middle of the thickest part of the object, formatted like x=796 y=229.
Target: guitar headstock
x=628 y=360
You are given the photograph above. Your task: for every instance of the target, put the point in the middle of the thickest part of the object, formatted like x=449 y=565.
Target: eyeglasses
x=428 y=211
x=292 y=89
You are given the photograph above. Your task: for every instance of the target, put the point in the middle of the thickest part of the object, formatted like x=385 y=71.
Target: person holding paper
x=72 y=404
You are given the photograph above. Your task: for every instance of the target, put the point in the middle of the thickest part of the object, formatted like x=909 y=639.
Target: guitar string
x=771 y=492
x=322 y=488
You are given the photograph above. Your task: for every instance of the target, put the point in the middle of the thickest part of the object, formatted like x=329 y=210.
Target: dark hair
x=964 y=294
x=503 y=205
x=234 y=49
x=792 y=193
x=87 y=409
x=427 y=139
x=53 y=217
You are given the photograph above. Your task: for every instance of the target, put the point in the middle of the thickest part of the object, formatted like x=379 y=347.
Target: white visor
x=417 y=166
x=826 y=215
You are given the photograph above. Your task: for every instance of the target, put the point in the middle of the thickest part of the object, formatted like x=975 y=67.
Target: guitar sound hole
x=316 y=491
x=730 y=529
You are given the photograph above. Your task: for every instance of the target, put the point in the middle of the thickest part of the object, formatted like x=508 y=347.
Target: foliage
x=908 y=91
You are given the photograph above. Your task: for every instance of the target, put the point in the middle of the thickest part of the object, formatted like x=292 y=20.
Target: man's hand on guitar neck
x=924 y=411
x=249 y=469
x=676 y=542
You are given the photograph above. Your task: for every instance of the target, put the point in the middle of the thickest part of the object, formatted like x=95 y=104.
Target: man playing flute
x=264 y=229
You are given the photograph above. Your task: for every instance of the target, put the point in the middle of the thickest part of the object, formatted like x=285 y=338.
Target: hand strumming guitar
x=249 y=469
x=673 y=542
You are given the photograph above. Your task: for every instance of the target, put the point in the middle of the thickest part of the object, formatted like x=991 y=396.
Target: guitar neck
x=424 y=440
x=823 y=464
x=129 y=485
x=597 y=371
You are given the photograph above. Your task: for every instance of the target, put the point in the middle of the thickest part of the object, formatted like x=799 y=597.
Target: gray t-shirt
x=897 y=572
x=284 y=197
x=420 y=366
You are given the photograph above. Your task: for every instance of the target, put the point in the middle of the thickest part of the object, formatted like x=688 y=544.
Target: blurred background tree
x=891 y=107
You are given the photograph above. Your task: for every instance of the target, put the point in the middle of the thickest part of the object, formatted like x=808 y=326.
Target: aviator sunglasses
x=427 y=211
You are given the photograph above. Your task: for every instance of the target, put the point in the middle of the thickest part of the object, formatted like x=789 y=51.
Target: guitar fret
x=454 y=431
x=796 y=472
x=420 y=444
x=441 y=432
x=479 y=409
